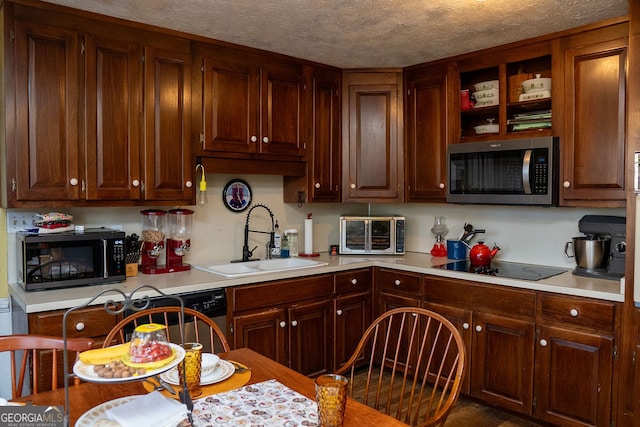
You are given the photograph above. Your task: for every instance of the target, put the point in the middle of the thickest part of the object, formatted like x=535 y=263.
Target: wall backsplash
x=525 y=234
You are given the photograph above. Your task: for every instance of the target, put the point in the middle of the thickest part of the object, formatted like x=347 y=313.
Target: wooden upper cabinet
x=283 y=110
x=250 y=105
x=112 y=111
x=372 y=137
x=167 y=146
x=230 y=104
x=594 y=95
x=47 y=151
x=426 y=130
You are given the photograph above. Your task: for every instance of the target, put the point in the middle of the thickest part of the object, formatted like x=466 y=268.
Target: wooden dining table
x=88 y=395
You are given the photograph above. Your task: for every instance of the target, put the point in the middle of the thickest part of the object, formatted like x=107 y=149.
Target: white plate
x=92 y=415
x=223 y=371
x=85 y=372
x=209 y=363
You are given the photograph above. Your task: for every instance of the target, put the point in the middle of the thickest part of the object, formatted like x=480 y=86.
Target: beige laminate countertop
x=197 y=280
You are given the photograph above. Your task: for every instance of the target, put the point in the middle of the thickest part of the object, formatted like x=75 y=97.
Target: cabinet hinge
x=231 y=329
x=202 y=138
x=12 y=35
x=533 y=403
x=615 y=352
x=142 y=187
x=633 y=359
x=84 y=186
x=142 y=59
x=14 y=185
x=82 y=48
x=408 y=92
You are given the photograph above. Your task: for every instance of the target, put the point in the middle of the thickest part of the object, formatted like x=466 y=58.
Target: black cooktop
x=511 y=270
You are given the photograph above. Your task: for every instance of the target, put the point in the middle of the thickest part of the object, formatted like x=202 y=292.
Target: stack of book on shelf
x=530 y=120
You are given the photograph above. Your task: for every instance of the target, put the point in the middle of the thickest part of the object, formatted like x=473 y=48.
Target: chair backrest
x=414 y=362
x=25 y=347
x=198 y=327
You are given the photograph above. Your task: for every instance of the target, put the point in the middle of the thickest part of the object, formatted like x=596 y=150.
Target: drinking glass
x=191 y=368
x=331 y=394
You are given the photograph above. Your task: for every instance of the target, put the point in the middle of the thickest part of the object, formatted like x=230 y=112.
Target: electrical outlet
x=18 y=221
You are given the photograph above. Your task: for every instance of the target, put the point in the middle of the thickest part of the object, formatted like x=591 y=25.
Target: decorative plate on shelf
x=85 y=372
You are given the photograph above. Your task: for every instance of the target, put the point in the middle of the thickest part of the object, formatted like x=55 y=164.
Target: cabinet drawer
x=91 y=322
x=356 y=281
x=280 y=292
x=394 y=281
x=577 y=311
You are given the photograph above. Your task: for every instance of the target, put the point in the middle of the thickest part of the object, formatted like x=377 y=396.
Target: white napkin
x=151 y=409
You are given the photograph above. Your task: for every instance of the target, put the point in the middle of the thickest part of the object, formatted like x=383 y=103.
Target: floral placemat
x=267 y=404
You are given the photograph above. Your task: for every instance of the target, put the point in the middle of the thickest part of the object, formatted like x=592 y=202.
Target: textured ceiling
x=362 y=33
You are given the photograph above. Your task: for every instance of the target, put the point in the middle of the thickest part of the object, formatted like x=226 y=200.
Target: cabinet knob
x=317 y=185
x=543 y=343
x=73 y=181
x=135 y=183
x=573 y=312
x=283 y=324
x=189 y=184
x=354 y=281
x=265 y=140
x=566 y=184
x=465 y=325
x=80 y=326
x=353 y=186
x=294 y=323
x=441 y=185
x=478 y=328
x=397 y=282
x=254 y=138
x=339 y=312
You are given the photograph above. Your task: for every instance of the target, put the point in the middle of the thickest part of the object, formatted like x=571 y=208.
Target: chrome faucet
x=248 y=253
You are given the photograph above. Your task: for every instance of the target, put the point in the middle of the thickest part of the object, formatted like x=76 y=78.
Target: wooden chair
x=198 y=327
x=410 y=364
x=26 y=347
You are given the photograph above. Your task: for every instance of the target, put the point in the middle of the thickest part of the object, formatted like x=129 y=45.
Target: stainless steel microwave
x=381 y=235
x=509 y=172
x=60 y=260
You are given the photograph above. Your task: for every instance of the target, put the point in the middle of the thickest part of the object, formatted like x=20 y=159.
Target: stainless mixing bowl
x=590 y=252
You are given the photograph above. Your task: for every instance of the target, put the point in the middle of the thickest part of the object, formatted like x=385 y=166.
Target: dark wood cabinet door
x=168 y=166
x=311 y=337
x=352 y=318
x=462 y=320
x=230 y=105
x=502 y=361
x=47 y=155
x=113 y=106
x=283 y=112
x=574 y=372
x=426 y=146
x=372 y=137
x=324 y=167
x=264 y=332
x=593 y=144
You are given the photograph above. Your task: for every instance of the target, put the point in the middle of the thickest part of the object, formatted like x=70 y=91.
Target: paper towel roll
x=308 y=236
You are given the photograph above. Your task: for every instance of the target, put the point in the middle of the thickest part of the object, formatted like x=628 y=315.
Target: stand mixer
x=440 y=230
x=610 y=230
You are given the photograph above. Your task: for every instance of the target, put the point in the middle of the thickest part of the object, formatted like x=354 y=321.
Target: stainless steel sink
x=238 y=269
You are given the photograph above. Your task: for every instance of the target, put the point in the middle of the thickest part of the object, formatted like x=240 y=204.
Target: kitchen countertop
x=196 y=280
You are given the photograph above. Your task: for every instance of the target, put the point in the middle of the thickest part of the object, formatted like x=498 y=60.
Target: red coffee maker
x=153 y=237
x=180 y=224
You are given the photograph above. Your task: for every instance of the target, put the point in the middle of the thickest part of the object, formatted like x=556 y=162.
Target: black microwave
x=61 y=260
x=509 y=172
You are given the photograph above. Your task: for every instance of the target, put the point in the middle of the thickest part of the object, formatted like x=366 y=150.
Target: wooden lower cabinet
x=352 y=317
x=90 y=322
x=499 y=354
x=262 y=332
x=311 y=337
x=502 y=361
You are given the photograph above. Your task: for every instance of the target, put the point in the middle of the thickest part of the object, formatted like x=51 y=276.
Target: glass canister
x=292 y=236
